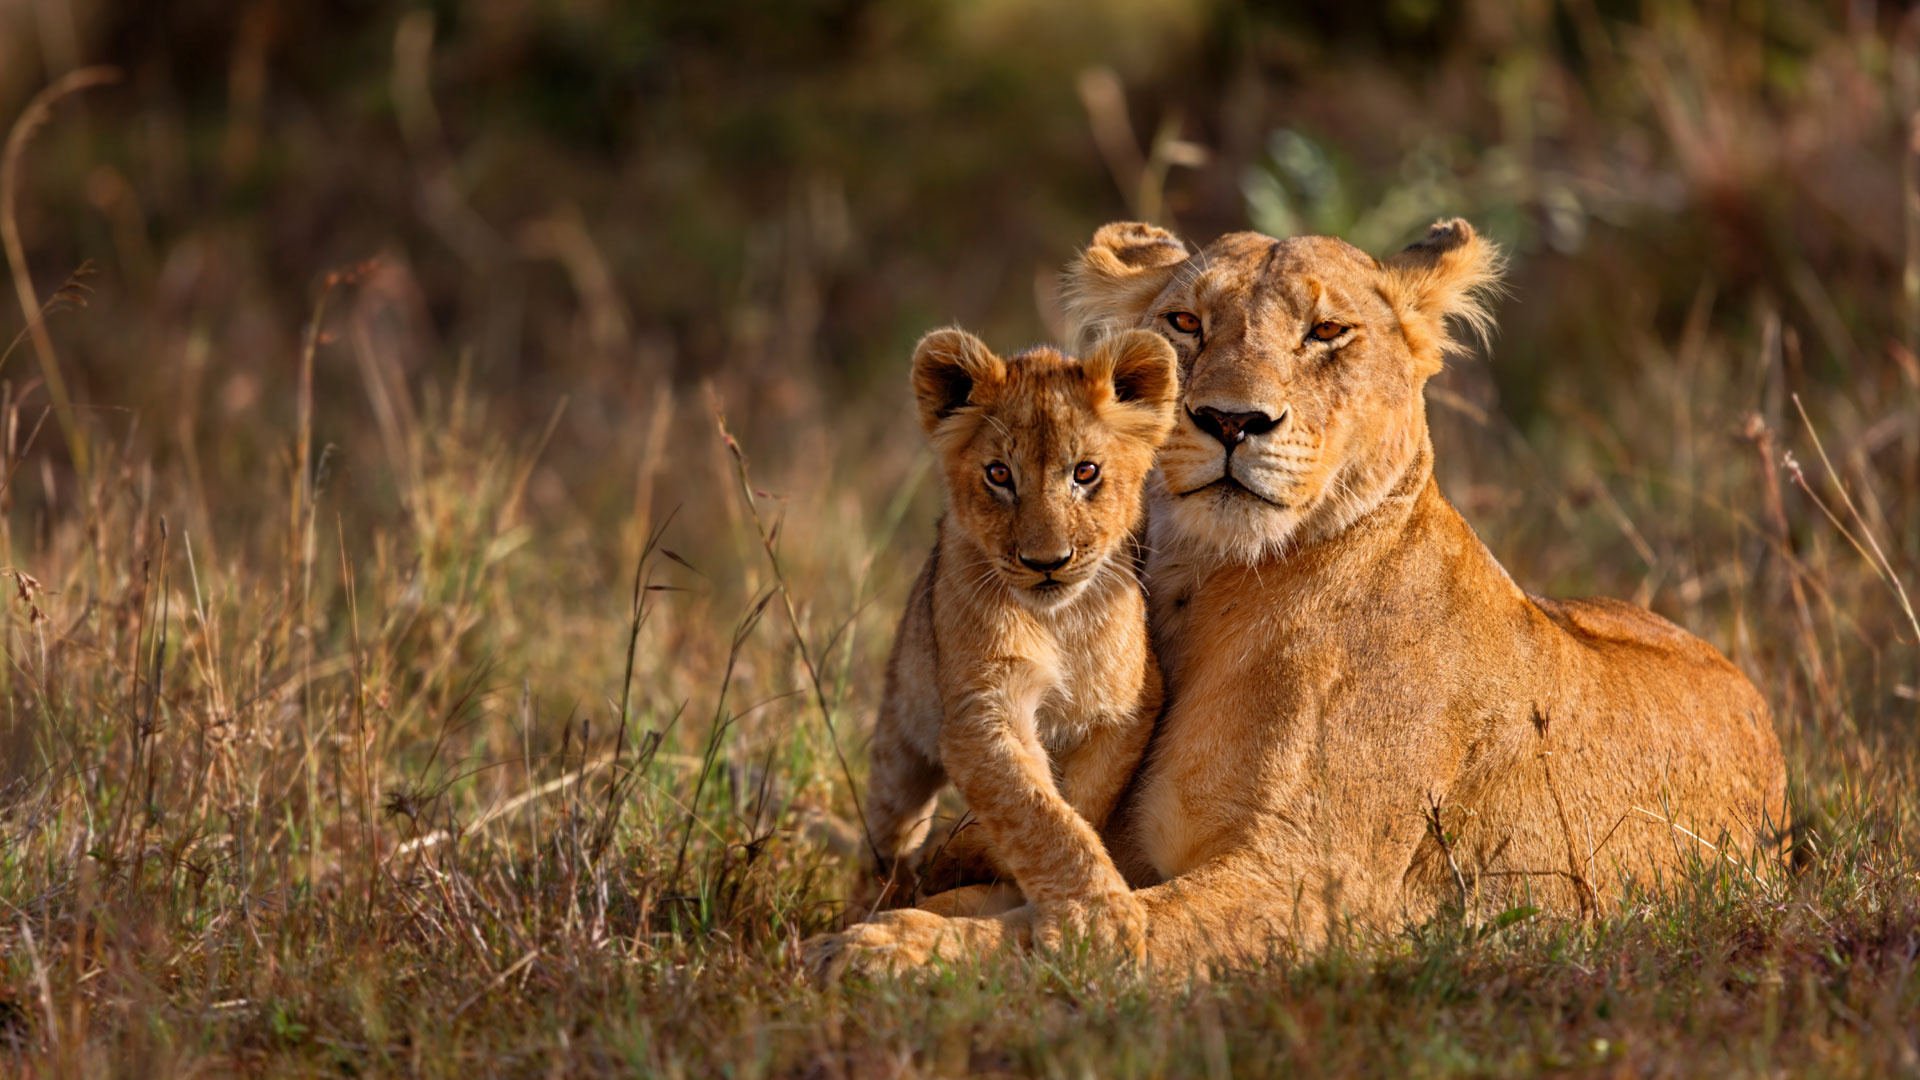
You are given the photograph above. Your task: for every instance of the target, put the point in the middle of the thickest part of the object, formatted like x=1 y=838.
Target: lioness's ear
x=947 y=365
x=1110 y=284
x=1451 y=273
x=1134 y=379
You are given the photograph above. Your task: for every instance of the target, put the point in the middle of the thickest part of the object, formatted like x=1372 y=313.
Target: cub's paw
x=895 y=943
x=1114 y=924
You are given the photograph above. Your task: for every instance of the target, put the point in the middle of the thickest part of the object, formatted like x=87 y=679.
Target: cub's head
x=1045 y=456
x=1301 y=365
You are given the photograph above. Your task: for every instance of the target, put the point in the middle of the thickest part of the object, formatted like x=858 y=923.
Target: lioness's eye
x=1086 y=473
x=1185 y=322
x=1326 y=331
x=999 y=475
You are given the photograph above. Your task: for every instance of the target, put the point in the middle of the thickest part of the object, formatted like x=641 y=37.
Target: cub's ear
x=1109 y=286
x=1134 y=378
x=1451 y=273
x=947 y=365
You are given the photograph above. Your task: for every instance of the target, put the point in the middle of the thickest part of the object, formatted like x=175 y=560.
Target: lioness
x=1368 y=720
x=1022 y=667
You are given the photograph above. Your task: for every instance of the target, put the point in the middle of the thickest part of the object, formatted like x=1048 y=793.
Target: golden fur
x=1022 y=668
x=1368 y=721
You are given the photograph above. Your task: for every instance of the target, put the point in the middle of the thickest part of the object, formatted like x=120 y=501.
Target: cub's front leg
x=994 y=756
x=1092 y=773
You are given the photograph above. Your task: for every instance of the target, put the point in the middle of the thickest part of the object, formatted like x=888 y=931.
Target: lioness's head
x=1301 y=365
x=1045 y=456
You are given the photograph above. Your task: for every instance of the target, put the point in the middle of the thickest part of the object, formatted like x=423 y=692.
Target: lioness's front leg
x=1234 y=910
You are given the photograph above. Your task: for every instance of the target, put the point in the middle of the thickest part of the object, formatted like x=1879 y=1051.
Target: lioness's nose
x=1046 y=564
x=1231 y=428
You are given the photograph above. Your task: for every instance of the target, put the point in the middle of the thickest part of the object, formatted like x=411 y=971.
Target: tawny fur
x=1035 y=691
x=1346 y=664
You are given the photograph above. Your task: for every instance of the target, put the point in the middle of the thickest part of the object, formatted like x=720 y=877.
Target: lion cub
x=1022 y=668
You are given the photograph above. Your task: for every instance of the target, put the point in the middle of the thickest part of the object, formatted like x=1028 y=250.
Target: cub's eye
x=1185 y=322
x=1326 y=331
x=999 y=475
x=1086 y=473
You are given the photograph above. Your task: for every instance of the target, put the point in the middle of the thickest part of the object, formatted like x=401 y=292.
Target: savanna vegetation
x=457 y=481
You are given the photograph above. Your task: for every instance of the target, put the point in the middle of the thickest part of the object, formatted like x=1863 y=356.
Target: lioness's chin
x=1223 y=521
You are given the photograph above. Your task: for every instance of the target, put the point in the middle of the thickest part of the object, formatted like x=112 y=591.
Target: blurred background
x=597 y=200
x=566 y=234
x=555 y=239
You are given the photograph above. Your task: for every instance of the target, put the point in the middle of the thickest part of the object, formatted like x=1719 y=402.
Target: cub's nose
x=1046 y=564
x=1232 y=428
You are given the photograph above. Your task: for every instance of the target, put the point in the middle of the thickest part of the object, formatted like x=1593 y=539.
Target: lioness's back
x=1602 y=621
x=1687 y=737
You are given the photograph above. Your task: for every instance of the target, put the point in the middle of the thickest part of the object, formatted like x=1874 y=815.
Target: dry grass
x=373 y=708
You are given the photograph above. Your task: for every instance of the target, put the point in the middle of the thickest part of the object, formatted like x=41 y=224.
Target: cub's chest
x=1095 y=682
x=1093 y=662
x=1063 y=671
